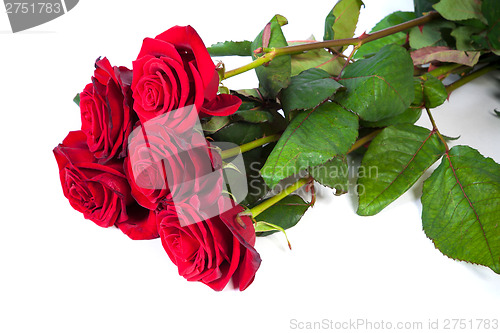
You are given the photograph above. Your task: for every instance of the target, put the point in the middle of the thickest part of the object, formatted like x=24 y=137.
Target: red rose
x=212 y=250
x=174 y=70
x=105 y=110
x=165 y=166
x=100 y=191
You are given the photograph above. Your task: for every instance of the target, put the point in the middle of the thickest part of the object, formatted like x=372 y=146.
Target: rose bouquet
x=167 y=151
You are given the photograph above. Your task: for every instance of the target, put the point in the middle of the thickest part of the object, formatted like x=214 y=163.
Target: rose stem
x=249 y=146
x=445 y=70
x=466 y=79
x=364 y=140
x=449 y=89
x=364 y=38
x=283 y=194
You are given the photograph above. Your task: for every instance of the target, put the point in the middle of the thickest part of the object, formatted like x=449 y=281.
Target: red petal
x=141 y=223
x=188 y=38
x=221 y=105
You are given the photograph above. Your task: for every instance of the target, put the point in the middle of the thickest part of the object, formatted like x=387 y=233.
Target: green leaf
x=341 y=22
x=397 y=38
x=318 y=58
x=462 y=35
x=308 y=89
x=276 y=74
x=334 y=174
x=395 y=160
x=444 y=54
x=286 y=213
x=497 y=113
x=429 y=35
x=239 y=133
x=230 y=48
x=214 y=124
x=461 y=207
x=423 y=6
x=250 y=94
x=450 y=138
x=253 y=116
x=433 y=91
x=456 y=10
x=312 y=138
x=418 y=100
x=410 y=116
x=491 y=12
x=77 y=99
x=262 y=226
x=379 y=87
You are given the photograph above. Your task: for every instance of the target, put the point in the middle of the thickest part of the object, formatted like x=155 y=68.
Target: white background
x=61 y=273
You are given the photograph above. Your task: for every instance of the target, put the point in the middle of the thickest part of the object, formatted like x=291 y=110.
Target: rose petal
x=188 y=39
x=221 y=105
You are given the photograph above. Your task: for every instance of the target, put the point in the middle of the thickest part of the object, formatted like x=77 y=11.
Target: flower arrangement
x=167 y=151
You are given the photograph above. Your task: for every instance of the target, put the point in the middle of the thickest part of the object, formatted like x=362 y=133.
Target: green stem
x=445 y=70
x=452 y=87
x=283 y=194
x=364 y=38
x=434 y=128
x=254 y=64
x=466 y=79
x=364 y=140
x=249 y=146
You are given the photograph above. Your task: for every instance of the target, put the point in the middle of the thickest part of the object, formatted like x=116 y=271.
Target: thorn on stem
x=363 y=35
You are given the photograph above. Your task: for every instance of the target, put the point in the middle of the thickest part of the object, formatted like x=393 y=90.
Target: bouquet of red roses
x=167 y=151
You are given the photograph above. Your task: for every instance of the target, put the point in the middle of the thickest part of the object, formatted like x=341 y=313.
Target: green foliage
x=395 y=160
x=456 y=10
x=397 y=38
x=275 y=75
x=340 y=23
x=410 y=116
x=333 y=173
x=308 y=89
x=230 y=48
x=240 y=133
x=491 y=12
x=423 y=6
x=312 y=138
x=285 y=214
x=461 y=207
x=463 y=37
x=433 y=91
x=430 y=34
x=77 y=99
x=374 y=89
x=319 y=58
x=214 y=124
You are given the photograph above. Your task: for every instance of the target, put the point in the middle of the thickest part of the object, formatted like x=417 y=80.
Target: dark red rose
x=174 y=70
x=165 y=166
x=105 y=106
x=100 y=191
x=210 y=250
